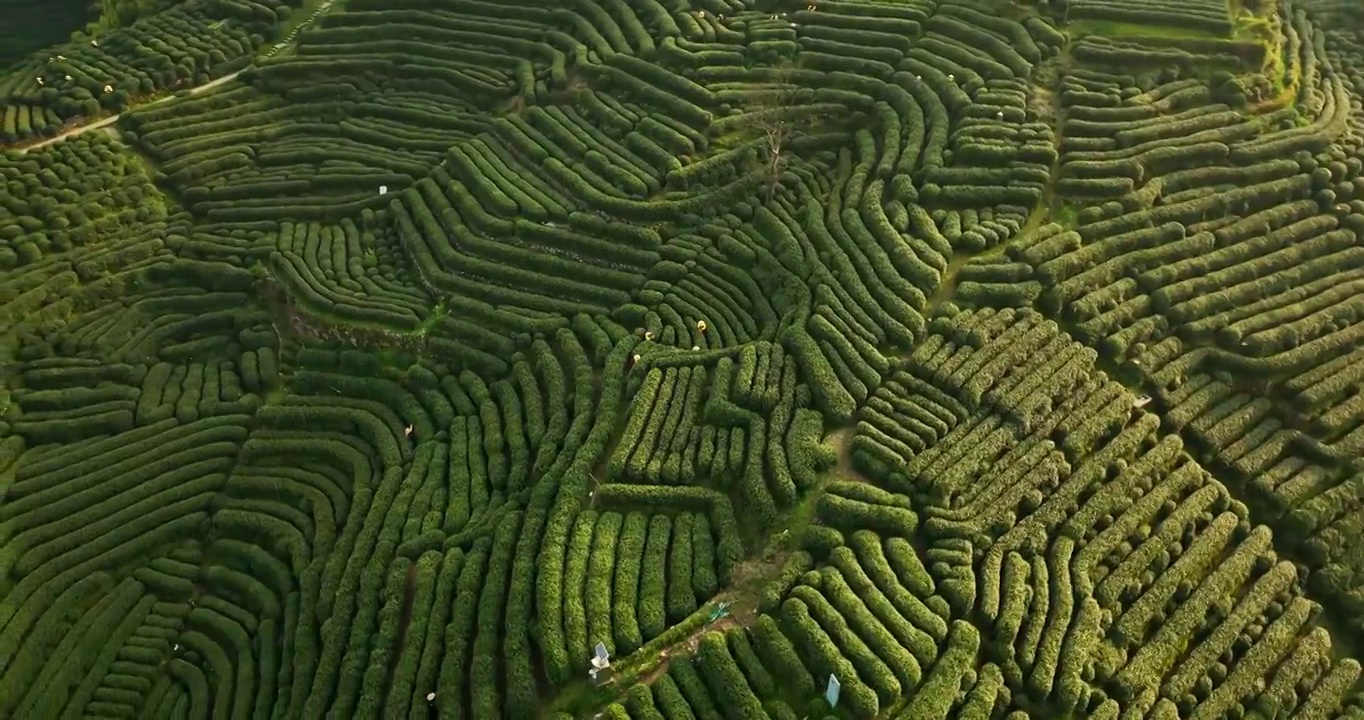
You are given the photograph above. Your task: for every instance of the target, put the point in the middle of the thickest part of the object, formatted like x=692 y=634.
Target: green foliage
x=998 y=360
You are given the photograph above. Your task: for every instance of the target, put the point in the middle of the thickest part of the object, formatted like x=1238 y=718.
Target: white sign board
x=831 y=692
x=601 y=652
x=383 y=189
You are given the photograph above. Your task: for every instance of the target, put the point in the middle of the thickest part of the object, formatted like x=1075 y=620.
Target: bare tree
x=773 y=111
x=774 y=139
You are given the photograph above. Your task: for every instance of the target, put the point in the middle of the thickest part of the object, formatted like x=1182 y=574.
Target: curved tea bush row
x=19 y=121
x=87 y=226
x=188 y=44
x=328 y=270
x=67 y=195
x=125 y=498
x=1093 y=543
x=629 y=576
x=259 y=529
x=402 y=83
x=678 y=432
x=1205 y=15
x=664 y=305
x=1242 y=262
x=734 y=674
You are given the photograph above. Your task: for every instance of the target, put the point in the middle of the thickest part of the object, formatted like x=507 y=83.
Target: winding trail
x=106 y=122
x=323 y=8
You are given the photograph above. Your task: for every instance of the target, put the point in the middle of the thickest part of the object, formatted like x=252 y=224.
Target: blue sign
x=831 y=692
x=601 y=651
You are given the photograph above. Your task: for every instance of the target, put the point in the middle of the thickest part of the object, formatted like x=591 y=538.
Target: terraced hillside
x=389 y=358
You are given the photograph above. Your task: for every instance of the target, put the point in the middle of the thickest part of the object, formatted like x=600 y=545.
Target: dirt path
x=686 y=647
x=844 y=469
x=108 y=121
x=740 y=598
x=322 y=9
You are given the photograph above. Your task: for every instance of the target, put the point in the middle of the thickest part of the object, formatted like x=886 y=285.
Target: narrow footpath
x=275 y=49
x=106 y=122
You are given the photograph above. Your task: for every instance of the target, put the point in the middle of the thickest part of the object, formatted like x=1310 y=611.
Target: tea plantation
x=899 y=359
